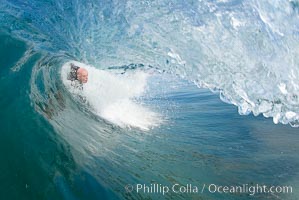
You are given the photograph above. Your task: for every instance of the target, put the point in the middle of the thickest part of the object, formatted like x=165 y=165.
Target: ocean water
x=195 y=93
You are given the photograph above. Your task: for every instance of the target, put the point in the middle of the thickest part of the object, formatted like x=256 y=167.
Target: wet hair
x=73 y=73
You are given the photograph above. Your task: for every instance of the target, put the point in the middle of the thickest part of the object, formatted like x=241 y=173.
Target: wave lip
x=246 y=49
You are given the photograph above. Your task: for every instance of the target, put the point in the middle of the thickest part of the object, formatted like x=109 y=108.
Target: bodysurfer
x=79 y=74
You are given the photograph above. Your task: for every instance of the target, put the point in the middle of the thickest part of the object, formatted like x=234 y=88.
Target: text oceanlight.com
x=250 y=189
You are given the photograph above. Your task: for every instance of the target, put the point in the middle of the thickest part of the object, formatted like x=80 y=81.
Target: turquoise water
x=54 y=146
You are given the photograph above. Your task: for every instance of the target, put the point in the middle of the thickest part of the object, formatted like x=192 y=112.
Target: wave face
x=247 y=50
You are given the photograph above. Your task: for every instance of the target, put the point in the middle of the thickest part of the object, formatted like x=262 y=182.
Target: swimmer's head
x=82 y=75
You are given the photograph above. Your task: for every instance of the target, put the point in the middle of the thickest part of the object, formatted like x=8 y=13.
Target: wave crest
x=247 y=50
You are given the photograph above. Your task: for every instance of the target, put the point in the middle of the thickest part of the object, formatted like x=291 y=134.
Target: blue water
x=222 y=79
